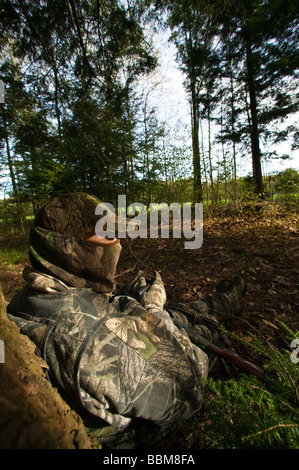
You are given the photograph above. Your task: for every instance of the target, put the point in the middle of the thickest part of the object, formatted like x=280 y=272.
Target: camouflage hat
x=59 y=243
x=73 y=215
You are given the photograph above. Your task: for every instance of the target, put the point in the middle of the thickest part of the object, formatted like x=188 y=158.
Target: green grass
x=13 y=255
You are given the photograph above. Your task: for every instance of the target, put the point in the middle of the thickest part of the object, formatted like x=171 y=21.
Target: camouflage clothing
x=58 y=244
x=125 y=362
x=122 y=362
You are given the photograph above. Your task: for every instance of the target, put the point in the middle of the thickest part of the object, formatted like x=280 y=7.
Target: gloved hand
x=154 y=298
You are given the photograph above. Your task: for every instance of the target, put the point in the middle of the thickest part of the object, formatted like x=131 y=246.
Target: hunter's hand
x=155 y=297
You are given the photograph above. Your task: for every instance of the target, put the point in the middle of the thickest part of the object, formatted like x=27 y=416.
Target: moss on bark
x=33 y=414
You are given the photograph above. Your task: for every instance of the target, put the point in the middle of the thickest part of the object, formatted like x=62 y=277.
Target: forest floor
x=261 y=244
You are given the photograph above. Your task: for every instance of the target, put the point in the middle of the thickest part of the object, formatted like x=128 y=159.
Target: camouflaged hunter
x=125 y=363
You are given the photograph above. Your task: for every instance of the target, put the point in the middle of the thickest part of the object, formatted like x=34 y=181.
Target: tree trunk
x=146 y=150
x=210 y=152
x=254 y=133
x=197 y=185
x=13 y=180
x=33 y=414
x=233 y=134
x=204 y=164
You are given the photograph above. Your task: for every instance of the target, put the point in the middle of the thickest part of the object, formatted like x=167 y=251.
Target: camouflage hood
x=58 y=246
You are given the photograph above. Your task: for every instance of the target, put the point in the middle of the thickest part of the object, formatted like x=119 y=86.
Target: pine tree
x=193 y=33
x=79 y=61
x=269 y=61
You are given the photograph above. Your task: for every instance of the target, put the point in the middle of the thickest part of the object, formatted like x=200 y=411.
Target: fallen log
x=32 y=413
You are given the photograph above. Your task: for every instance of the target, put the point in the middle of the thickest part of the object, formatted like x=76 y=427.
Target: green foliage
x=70 y=69
x=14 y=217
x=13 y=255
x=287 y=183
x=238 y=71
x=75 y=119
x=244 y=412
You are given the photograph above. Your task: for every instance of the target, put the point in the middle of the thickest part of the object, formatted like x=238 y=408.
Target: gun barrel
x=243 y=364
x=228 y=354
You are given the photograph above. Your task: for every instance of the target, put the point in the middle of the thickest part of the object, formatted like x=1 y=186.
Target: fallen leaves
x=270 y=324
x=282 y=280
x=264 y=251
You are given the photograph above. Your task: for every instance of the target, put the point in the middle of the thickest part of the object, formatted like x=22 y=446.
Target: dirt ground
x=262 y=245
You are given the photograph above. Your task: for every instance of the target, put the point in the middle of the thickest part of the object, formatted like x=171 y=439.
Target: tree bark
x=254 y=133
x=210 y=150
x=233 y=135
x=197 y=185
x=13 y=179
x=33 y=414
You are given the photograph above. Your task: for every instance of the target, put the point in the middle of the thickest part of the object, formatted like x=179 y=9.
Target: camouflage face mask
x=59 y=246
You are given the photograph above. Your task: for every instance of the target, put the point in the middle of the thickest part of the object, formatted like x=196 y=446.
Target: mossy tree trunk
x=33 y=415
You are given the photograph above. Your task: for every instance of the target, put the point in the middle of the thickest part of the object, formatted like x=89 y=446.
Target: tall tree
x=238 y=37
x=269 y=58
x=193 y=32
x=78 y=62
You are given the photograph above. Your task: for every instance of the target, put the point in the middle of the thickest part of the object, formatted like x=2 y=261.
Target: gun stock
x=228 y=354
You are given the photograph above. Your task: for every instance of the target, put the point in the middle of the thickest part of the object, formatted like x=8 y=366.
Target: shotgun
x=228 y=354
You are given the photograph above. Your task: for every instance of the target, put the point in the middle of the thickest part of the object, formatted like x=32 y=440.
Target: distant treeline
x=230 y=197
x=76 y=117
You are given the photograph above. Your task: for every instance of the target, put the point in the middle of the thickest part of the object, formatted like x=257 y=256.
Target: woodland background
x=78 y=116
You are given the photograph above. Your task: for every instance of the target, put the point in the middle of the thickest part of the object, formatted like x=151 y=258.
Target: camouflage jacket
x=130 y=371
